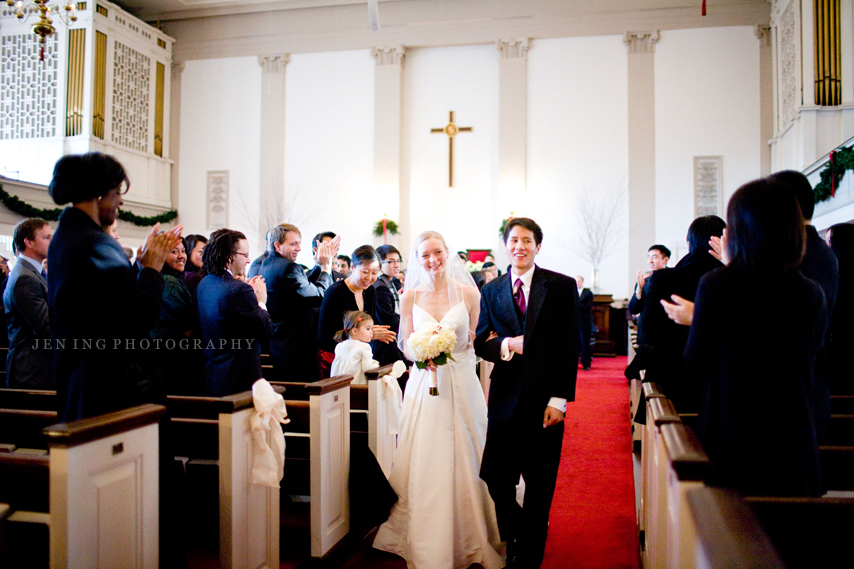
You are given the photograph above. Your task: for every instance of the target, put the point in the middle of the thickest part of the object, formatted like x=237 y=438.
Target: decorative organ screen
x=131 y=80
x=28 y=88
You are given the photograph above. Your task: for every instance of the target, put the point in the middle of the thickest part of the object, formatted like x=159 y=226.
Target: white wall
x=577 y=145
x=329 y=147
x=706 y=104
x=436 y=81
x=220 y=130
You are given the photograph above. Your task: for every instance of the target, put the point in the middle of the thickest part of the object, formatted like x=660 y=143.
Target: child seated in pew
x=353 y=354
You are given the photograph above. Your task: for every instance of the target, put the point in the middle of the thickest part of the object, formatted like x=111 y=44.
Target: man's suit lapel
x=539 y=286
x=506 y=305
x=28 y=267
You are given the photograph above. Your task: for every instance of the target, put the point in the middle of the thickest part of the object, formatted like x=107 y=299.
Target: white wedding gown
x=444 y=517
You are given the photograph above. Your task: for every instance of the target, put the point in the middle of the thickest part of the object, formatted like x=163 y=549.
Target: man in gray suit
x=29 y=364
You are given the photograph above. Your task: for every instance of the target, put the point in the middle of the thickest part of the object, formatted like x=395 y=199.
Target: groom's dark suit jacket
x=548 y=366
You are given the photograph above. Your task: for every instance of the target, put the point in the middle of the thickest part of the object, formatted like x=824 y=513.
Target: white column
x=391 y=193
x=175 y=130
x=641 y=70
x=271 y=191
x=512 y=129
x=766 y=99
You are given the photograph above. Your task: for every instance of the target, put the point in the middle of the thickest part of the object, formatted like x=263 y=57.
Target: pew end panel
x=330 y=462
x=104 y=487
x=249 y=513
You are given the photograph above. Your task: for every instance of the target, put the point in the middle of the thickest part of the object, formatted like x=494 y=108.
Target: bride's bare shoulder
x=407 y=297
x=471 y=294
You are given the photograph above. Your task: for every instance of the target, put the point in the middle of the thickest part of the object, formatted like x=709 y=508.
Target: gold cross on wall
x=451 y=129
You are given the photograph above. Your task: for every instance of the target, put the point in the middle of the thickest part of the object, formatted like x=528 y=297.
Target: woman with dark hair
x=97 y=302
x=181 y=365
x=840 y=237
x=388 y=302
x=356 y=292
x=195 y=245
x=232 y=314
x=755 y=361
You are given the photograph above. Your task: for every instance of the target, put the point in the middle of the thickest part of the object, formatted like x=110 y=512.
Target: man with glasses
x=232 y=314
x=388 y=303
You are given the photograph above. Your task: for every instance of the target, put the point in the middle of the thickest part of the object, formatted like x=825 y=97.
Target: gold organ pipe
x=827 y=59
x=75 y=83
x=100 y=87
x=158 y=109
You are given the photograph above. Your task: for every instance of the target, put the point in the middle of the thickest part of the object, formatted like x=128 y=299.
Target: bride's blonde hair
x=429 y=235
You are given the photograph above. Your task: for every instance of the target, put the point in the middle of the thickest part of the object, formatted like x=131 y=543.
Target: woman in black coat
x=840 y=237
x=356 y=292
x=755 y=360
x=101 y=309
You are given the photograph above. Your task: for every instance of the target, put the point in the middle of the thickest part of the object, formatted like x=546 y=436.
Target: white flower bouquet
x=432 y=343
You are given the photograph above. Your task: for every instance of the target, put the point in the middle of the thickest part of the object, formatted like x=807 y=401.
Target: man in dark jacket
x=29 y=364
x=665 y=336
x=657 y=258
x=232 y=315
x=585 y=322
x=292 y=298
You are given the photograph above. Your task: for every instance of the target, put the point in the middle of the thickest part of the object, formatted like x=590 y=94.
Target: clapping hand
x=152 y=254
x=682 y=312
x=259 y=287
x=326 y=252
x=641 y=282
x=718 y=248
x=383 y=334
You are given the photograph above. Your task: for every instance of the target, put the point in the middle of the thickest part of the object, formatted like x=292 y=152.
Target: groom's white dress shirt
x=558 y=403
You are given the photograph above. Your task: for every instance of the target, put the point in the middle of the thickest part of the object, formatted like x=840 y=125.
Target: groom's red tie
x=519 y=295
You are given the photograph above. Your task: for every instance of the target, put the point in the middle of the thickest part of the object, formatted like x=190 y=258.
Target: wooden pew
x=103 y=489
x=217 y=428
x=650 y=391
x=808 y=532
x=660 y=412
x=728 y=533
x=381 y=443
x=687 y=467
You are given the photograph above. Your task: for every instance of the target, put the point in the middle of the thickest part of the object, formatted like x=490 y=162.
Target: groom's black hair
x=528 y=224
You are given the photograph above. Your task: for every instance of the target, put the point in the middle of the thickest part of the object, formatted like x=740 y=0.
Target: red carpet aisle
x=592 y=521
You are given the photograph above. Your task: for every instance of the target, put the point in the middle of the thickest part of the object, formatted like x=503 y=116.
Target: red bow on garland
x=704 y=7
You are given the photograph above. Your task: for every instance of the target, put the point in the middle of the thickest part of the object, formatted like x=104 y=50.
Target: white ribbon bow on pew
x=268 y=463
x=393 y=396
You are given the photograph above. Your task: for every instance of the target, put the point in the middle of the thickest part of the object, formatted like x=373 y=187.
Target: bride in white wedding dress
x=444 y=517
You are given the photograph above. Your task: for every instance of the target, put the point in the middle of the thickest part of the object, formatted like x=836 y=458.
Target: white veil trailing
x=456 y=279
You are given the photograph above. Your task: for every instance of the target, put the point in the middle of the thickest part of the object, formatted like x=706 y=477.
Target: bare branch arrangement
x=600 y=216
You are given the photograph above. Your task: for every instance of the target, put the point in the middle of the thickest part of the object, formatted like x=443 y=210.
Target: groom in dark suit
x=529 y=329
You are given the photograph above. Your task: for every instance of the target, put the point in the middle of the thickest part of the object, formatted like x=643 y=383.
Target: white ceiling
x=154 y=10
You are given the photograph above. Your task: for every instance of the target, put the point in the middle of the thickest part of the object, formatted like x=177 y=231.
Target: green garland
x=841 y=160
x=390 y=226
x=501 y=229
x=19 y=206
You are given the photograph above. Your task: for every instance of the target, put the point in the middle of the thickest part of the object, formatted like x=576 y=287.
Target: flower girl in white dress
x=444 y=517
x=353 y=354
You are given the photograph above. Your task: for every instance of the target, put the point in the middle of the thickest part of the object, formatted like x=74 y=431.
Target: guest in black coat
x=182 y=365
x=585 y=322
x=356 y=292
x=194 y=245
x=754 y=360
x=29 y=363
x=820 y=265
x=232 y=315
x=657 y=257
x=100 y=310
x=666 y=337
x=292 y=298
x=387 y=311
x=840 y=334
